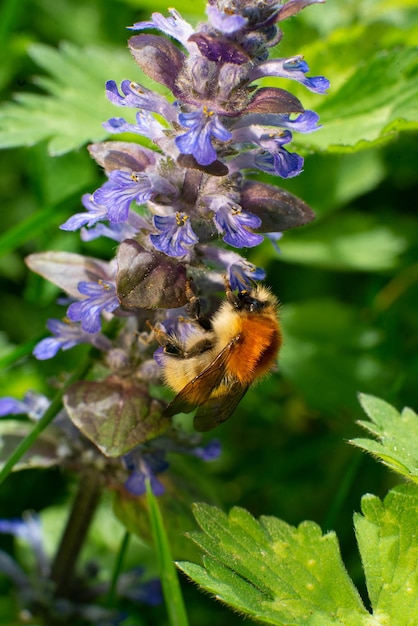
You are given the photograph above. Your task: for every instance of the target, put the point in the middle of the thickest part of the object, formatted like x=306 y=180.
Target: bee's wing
x=199 y=390
x=218 y=409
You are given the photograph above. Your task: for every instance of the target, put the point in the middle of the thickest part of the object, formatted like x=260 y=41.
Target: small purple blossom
x=209 y=452
x=94 y=214
x=146 y=125
x=225 y=22
x=174 y=26
x=145 y=465
x=203 y=125
x=139 y=97
x=66 y=336
x=121 y=190
x=242 y=275
x=280 y=162
x=295 y=68
x=101 y=298
x=234 y=224
x=116 y=231
x=33 y=405
x=176 y=234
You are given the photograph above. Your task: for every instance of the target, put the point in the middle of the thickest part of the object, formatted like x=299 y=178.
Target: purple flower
x=146 y=125
x=176 y=234
x=242 y=275
x=33 y=405
x=234 y=223
x=118 y=232
x=94 y=214
x=294 y=68
x=66 y=336
x=280 y=162
x=203 y=124
x=174 y=26
x=123 y=188
x=101 y=297
x=226 y=23
x=143 y=465
x=138 y=97
x=29 y=529
x=209 y=452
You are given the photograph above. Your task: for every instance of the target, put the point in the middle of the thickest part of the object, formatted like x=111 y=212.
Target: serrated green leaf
x=73 y=112
x=296 y=575
x=397 y=435
x=388 y=542
x=376 y=102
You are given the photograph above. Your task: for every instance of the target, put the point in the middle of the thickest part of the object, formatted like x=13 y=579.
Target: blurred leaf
x=274 y=572
x=43 y=453
x=328 y=346
x=388 y=543
x=376 y=102
x=347 y=241
x=76 y=105
x=397 y=435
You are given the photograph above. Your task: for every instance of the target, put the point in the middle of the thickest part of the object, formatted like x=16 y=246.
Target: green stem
x=45 y=420
x=78 y=524
x=117 y=568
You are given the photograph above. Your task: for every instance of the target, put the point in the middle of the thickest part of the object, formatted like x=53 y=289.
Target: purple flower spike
x=101 y=297
x=94 y=214
x=176 y=234
x=234 y=224
x=203 y=125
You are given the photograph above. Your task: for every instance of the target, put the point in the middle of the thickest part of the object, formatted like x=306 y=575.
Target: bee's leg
x=193 y=307
x=230 y=296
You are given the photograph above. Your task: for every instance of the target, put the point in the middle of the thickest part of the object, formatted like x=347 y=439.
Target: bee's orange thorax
x=256 y=351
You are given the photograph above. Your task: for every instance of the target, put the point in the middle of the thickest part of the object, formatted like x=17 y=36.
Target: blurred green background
x=348 y=283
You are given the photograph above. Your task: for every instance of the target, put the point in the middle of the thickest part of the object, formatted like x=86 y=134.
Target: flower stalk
x=75 y=532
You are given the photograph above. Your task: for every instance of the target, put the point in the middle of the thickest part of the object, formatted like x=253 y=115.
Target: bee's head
x=255 y=300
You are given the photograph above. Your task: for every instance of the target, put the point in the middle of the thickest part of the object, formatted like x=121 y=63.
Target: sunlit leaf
x=274 y=572
x=396 y=434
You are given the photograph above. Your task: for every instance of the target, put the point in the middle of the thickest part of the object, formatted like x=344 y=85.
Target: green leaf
x=348 y=241
x=388 y=542
x=377 y=101
x=169 y=580
x=274 y=572
x=76 y=105
x=397 y=435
